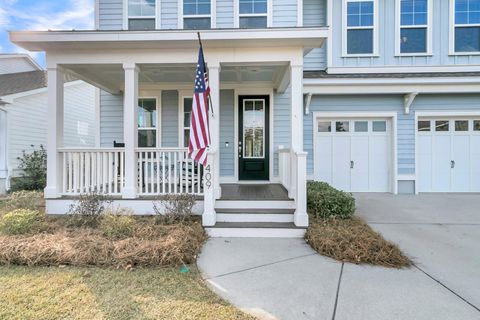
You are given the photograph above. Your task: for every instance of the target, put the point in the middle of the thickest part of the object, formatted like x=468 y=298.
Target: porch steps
x=255 y=215
x=256 y=230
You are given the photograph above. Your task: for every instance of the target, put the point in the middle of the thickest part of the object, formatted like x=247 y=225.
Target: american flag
x=199 y=139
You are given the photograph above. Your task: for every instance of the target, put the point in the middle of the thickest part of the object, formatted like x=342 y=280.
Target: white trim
x=391 y=115
x=452 y=26
x=345 y=28
x=429 y=114
x=182 y=95
x=299 y=13
x=158 y=13
x=97 y=14
x=428 y=28
x=212 y=15
x=25 y=56
x=330 y=34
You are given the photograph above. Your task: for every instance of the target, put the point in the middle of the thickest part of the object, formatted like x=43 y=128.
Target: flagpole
x=209 y=97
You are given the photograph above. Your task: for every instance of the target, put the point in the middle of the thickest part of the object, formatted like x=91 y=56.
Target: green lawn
x=95 y=293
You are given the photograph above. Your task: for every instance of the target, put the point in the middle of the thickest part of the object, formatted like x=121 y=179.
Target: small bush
x=173 y=208
x=324 y=201
x=21 y=221
x=87 y=210
x=33 y=166
x=23 y=200
x=117 y=225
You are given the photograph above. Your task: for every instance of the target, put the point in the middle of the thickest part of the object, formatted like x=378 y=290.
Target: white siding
x=110 y=13
x=15 y=65
x=3 y=145
x=111 y=119
x=27 y=121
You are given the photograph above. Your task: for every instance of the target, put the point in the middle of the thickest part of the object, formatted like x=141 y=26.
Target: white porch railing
x=293 y=176
x=168 y=171
x=97 y=169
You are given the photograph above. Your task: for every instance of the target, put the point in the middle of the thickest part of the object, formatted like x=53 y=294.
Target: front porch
x=144 y=98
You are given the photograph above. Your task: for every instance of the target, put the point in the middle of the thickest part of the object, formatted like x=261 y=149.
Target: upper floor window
x=141 y=14
x=196 y=14
x=360 y=27
x=253 y=13
x=467 y=25
x=414 y=16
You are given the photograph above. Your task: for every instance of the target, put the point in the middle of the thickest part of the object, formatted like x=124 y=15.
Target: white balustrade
x=99 y=170
x=168 y=171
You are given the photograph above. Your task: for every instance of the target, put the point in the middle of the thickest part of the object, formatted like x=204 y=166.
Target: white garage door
x=353 y=155
x=448 y=155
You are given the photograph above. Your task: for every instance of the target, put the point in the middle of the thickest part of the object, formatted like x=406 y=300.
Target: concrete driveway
x=285 y=279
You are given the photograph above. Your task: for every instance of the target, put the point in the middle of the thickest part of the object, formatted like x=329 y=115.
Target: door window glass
x=342 y=126
x=147 y=122
x=187 y=111
x=253 y=128
x=361 y=126
x=461 y=125
x=441 y=125
x=423 y=125
x=379 y=126
x=324 y=126
x=476 y=125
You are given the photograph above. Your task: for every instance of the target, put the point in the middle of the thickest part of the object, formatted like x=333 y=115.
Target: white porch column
x=214 y=81
x=54 y=132
x=299 y=169
x=296 y=74
x=130 y=130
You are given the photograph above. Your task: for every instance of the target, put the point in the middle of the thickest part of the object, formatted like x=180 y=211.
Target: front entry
x=253 y=143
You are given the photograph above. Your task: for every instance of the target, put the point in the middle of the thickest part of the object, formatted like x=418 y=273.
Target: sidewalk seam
x=338 y=292
x=443 y=285
x=260 y=266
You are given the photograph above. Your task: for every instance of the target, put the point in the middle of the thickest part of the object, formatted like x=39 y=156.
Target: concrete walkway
x=286 y=279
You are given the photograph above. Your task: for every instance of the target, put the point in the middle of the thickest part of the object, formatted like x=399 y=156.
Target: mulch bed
x=352 y=240
x=151 y=245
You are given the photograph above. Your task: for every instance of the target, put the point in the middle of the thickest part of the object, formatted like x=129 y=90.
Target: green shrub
x=324 y=201
x=117 y=225
x=33 y=166
x=21 y=221
x=87 y=210
x=23 y=200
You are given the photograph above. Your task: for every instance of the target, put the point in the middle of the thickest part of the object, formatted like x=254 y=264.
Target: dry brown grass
x=352 y=240
x=150 y=245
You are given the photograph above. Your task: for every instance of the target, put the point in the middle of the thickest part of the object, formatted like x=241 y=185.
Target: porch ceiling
x=110 y=77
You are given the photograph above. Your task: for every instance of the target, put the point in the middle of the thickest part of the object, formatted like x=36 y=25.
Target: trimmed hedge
x=324 y=201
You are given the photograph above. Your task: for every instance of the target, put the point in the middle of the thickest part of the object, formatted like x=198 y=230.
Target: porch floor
x=254 y=192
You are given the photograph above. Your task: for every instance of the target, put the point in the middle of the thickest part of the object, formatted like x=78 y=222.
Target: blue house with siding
x=367 y=95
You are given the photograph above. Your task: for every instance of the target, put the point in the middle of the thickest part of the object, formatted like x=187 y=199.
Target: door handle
x=352 y=164
x=239 y=150
x=452 y=164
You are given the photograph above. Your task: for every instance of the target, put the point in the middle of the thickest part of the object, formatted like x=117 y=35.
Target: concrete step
x=255 y=215
x=221 y=205
x=256 y=230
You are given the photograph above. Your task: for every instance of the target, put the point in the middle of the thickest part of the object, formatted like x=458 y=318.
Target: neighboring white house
x=24 y=116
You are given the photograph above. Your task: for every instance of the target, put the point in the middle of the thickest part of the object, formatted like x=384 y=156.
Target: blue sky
x=42 y=15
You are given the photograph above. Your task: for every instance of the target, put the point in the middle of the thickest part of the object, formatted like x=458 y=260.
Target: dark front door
x=253 y=147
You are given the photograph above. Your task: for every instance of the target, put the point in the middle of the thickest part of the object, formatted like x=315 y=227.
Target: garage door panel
x=475 y=163
x=425 y=163
x=360 y=163
x=461 y=163
x=323 y=154
x=379 y=163
x=441 y=162
x=341 y=163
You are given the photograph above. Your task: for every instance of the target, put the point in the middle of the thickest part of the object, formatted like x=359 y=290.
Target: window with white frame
x=187 y=111
x=197 y=14
x=141 y=14
x=253 y=13
x=360 y=27
x=414 y=26
x=147 y=122
x=467 y=26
